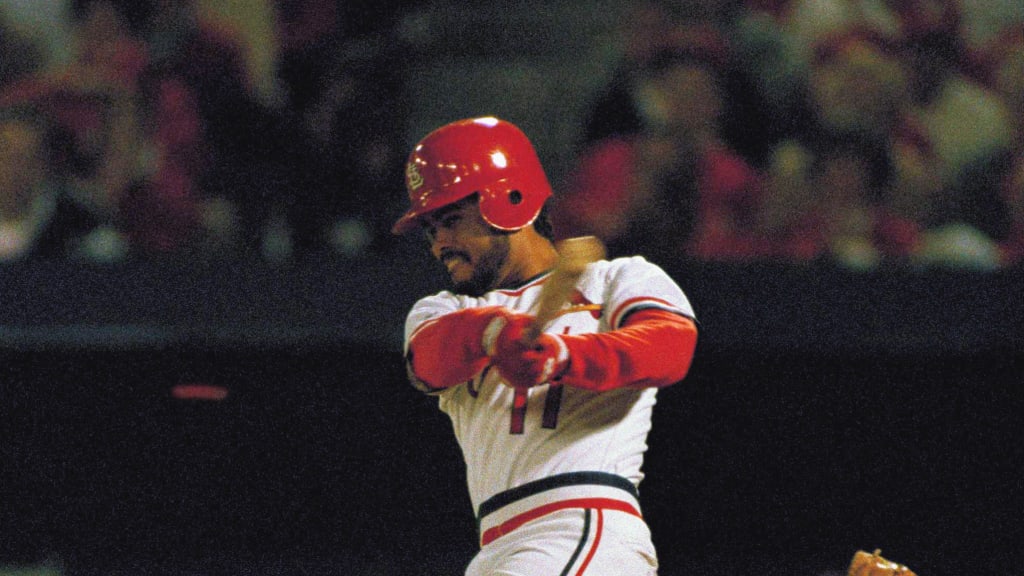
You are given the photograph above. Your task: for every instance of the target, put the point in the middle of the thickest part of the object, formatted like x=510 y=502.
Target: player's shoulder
x=631 y=283
x=495 y=297
x=625 y=266
x=449 y=300
x=443 y=299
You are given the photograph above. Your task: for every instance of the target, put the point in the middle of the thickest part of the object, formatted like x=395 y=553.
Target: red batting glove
x=522 y=364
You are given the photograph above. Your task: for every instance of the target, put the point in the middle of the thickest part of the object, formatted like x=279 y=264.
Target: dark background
x=826 y=412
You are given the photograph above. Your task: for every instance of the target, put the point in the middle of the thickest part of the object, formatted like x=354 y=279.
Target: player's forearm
x=653 y=349
x=448 y=351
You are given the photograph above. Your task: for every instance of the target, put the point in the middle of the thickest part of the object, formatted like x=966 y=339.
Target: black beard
x=485 y=272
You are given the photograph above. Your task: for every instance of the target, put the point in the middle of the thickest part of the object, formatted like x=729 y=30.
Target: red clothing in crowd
x=600 y=200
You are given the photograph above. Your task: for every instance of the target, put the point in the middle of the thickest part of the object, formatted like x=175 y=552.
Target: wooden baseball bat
x=574 y=254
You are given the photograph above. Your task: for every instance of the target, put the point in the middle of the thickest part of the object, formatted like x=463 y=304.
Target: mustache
x=447 y=255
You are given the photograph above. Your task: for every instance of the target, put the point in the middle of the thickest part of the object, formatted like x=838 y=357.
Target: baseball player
x=553 y=429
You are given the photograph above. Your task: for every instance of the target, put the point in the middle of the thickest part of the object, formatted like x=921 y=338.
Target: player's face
x=474 y=254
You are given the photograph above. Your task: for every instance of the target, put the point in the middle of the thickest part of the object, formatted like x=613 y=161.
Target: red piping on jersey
x=518 y=520
x=519 y=291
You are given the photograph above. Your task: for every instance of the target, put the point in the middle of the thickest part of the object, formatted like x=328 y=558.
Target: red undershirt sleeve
x=653 y=348
x=448 y=350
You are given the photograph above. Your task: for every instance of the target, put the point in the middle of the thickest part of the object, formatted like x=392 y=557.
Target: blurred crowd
x=863 y=132
x=859 y=132
x=190 y=128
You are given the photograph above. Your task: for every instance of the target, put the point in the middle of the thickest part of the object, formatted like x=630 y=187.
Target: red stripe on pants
x=511 y=524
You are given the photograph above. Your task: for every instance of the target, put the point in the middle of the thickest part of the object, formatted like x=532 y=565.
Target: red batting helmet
x=485 y=156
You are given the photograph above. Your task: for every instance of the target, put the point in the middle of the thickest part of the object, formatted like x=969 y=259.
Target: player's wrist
x=562 y=359
x=569 y=365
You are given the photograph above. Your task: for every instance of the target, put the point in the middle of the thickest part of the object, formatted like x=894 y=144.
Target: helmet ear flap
x=508 y=208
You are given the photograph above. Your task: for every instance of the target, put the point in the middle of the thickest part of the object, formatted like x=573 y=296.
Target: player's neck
x=530 y=256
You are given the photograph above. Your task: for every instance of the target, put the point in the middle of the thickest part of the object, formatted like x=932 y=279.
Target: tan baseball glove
x=865 y=564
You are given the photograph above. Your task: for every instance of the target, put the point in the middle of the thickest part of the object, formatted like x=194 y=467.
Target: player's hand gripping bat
x=573 y=256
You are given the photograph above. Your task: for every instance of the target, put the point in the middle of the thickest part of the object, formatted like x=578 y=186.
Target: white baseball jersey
x=510 y=437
